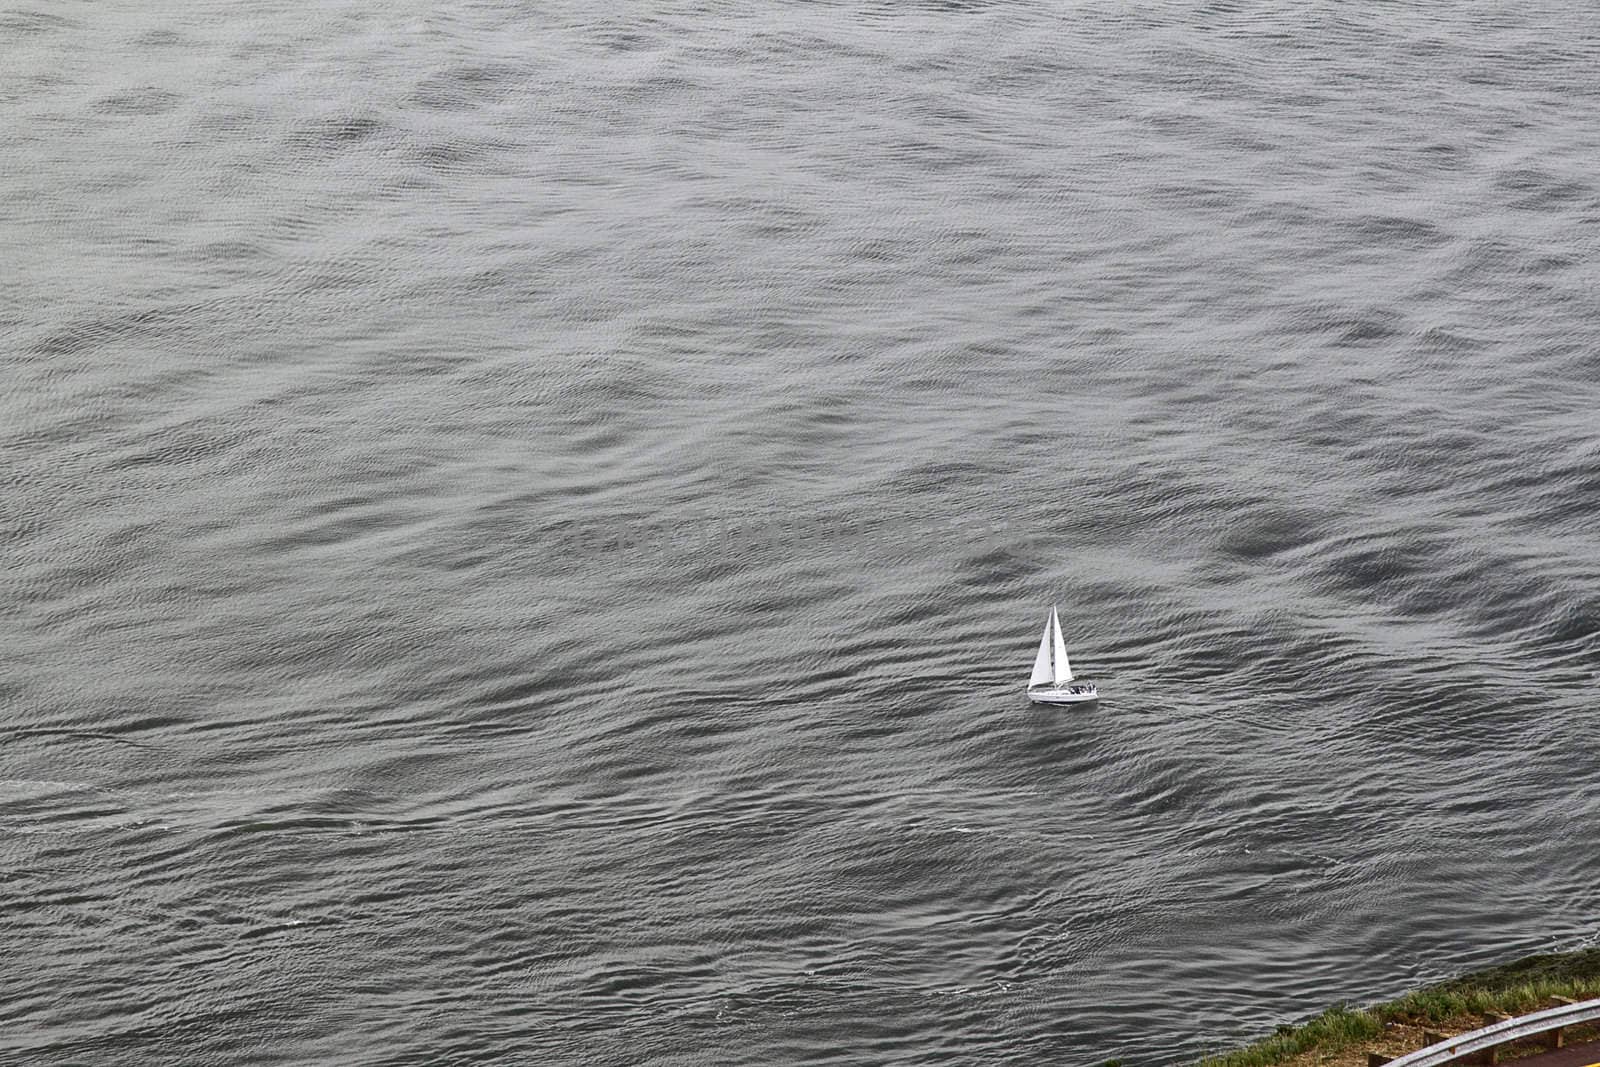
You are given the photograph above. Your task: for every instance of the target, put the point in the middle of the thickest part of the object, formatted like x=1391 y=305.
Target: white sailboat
x=1052 y=675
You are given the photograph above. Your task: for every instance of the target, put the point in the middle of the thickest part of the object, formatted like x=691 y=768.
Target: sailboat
x=1052 y=675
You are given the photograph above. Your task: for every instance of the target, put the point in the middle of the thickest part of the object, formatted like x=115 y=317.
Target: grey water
x=525 y=525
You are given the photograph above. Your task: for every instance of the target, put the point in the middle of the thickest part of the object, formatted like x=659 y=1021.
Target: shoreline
x=1342 y=1036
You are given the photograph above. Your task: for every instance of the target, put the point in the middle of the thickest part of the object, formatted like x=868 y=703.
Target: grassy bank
x=1450 y=1007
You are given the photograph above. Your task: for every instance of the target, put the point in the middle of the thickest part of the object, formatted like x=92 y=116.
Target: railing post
x=1491 y=1055
x=1558 y=1036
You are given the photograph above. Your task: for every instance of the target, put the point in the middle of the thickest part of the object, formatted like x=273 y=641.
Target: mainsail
x=1063 y=668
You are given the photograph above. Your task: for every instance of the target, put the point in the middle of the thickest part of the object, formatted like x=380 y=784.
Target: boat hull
x=1050 y=694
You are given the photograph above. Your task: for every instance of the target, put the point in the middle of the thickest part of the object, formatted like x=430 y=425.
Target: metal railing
x=1549 y=1021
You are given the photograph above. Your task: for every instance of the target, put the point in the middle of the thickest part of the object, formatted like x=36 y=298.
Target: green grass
x=1337 y=1027
x=1512 y=989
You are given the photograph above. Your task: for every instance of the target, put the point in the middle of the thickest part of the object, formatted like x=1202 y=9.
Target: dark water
x=525 y=526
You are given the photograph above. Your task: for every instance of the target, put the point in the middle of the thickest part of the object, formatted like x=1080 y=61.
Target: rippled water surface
x=525 y=525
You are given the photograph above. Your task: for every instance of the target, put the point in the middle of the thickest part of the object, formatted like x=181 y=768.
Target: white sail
x=1041 y=662
x=1063 y=668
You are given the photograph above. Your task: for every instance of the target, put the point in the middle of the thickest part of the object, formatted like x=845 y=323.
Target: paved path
x=1584 y=1055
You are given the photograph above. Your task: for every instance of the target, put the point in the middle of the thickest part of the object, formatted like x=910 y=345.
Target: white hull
x=1082 y=693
